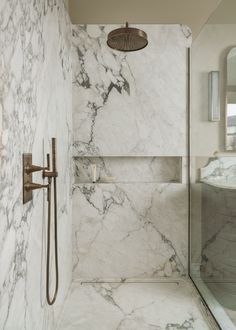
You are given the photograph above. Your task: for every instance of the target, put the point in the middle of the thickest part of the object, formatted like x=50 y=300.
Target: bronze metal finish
x=28 y=184
x=27 y=178
x=28 y=187
x=32 y=186
x=52 y=175
x=127 y=39
x=32 y=168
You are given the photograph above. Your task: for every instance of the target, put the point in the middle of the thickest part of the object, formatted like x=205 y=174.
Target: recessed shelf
x=128 y=169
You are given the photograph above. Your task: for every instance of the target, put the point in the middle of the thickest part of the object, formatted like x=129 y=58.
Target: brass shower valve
x=29 y=169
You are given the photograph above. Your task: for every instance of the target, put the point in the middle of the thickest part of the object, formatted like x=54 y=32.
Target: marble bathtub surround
x=128 y=104
x=146 y=306
x=128 y=169
x=124 y=231
x=35 y=93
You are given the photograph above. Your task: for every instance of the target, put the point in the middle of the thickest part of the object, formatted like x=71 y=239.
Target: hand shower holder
x=28 y=187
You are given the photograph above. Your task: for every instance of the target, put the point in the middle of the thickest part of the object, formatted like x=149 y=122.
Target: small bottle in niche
x=94 y=172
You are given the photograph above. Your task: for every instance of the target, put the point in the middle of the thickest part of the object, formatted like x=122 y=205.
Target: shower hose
x=49 y=200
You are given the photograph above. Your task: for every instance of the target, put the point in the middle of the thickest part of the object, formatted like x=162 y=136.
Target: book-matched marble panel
x=136 y=230
x=130 y=104
x=35 y=93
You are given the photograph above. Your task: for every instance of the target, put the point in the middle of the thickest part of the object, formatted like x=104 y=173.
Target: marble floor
x=134 y=306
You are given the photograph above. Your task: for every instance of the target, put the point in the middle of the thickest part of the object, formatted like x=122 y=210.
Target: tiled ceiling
x=193 y=13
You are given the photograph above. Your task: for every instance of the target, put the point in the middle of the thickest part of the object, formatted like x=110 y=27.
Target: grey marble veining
x=222 y=168
x=134 y=306
x=35 y=98
x=129 y=110
x=218 y=235
x=130 y=104
x=128 y=169
x=136 y=230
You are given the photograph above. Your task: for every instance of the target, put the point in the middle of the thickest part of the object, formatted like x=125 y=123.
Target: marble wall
x=130 y=104
x=35 y=100
x=218 y=219
x=218 y=234
x=129 y=118
x=215 y=183
x=136 y=230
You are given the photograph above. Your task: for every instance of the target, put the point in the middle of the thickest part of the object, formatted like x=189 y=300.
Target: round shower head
x=127 y=39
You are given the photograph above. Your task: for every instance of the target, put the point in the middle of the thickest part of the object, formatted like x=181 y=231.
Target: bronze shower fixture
x=28 y=187
x=127 y=39
x=29 y=169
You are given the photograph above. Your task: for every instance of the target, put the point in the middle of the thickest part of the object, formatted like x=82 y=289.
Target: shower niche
x=129 y=169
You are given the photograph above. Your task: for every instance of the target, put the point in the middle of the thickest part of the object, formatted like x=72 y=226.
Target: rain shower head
x=127 y=39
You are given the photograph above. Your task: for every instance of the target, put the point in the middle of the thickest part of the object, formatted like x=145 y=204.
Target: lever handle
x=34 y=186
x=48 y=162
x=54 y=167
x=33 y=168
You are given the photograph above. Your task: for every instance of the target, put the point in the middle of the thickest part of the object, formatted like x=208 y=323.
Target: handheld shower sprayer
x=52 y=176
x=28 y=187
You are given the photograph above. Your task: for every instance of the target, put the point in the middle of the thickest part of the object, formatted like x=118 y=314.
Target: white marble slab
x=220 y=172
x=130 y=104
x=136 y=230
x=35 y=89
x=218 y=235
x=132 y=306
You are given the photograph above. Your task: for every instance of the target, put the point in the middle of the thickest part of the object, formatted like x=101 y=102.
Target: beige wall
x=209 y=53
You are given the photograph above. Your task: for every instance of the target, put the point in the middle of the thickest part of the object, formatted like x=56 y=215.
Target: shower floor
x=134 y=306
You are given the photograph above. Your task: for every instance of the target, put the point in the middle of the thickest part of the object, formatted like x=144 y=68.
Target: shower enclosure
x=213 y=167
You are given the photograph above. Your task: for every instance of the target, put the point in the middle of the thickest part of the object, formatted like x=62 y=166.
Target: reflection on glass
x=213 y=234
x=213 y=174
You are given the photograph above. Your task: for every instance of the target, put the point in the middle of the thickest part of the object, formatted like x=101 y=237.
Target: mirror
x=231 y=100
